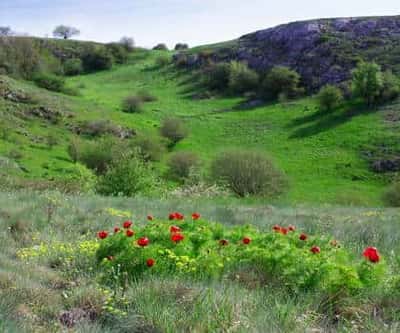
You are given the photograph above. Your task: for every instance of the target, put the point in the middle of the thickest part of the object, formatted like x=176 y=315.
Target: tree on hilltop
x=65 y=31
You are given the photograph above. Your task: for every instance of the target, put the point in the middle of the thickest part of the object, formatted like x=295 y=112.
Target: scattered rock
x=13 y=95
x=97 y=128
x=388 y=165
x=46 y=113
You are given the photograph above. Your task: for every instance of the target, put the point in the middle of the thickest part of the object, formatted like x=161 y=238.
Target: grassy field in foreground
x=321 y=154
x=39 y=296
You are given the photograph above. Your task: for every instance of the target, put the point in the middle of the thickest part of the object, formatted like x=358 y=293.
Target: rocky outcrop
x=322 y=51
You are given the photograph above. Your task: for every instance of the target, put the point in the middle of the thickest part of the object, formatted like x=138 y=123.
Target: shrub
x=367 y=81
x=118 y=52
x=181 y=163
x=128 y=43
x=73 y=67
x=162 y=61
x=216 y=76
x=181 y=46
x=49 y=82
x=101 y=127
x=80 y=178
x=161 y=47
x=329 y=97
x=247 y=173
x=96 y=155
x=391 y=197
x=149 y=148
x=174 y=130
x=390 y=87
x=241 y=78
x=281 y=80
x=132 y=104
x=127 y=176
x=96 y=59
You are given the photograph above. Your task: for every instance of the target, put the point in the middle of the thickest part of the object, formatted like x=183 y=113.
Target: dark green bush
x=247 y=173
x=174 y=130
x=390 y=87
x=98 y=127
x=132 y=104
x=181 y=163
x=161 y=47
x=73 y=67
x=281 y=81
x=128 y=43
x=216 y=76
x=96 y=155
x=391 y=196
x=118 y=52
x=181 y=46
x=241 y=78
x=150 y=148
x=329 y=98
x=162 y=60
x=96 y=59
x=49 y=82
x=367 y=82
x=127 y=176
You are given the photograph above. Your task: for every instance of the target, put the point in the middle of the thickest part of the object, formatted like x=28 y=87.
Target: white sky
x=192 y=21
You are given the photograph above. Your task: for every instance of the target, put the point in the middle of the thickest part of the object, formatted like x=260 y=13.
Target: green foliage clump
x=128 y=176
x=241 y=78
x=367 y=81
x=280 y=81
x=390 y=87
x=118 y=52
x=247 y=173
x=49 y=82
x=391 y=196
x=150 y=148
x=329 y=98
x=161 y=47
x=96 y=59
x=132 y=104
x=80 y=178
x=73 y=67
x=174 y=130
x=181 y=164
x=162 y=60
x=216 y=76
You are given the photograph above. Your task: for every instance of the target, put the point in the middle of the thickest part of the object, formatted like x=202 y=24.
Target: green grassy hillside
x=321 y=154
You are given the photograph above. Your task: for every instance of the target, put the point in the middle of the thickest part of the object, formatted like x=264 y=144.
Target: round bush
x=281 y=80
x=329 y=98
x=73 y=67
x=216 y=76
x=173 y=129
x=127 y=176
x=150 y=148
x=181 y=163
x=49 y=82
x=241 y=78
x=96 y=60
x=132 y=104
x=247 y=173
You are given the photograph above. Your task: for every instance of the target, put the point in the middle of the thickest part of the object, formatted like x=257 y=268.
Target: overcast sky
x=192 y=21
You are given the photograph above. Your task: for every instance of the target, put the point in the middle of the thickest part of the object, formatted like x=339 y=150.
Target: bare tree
x=127 y=42
x=65 y=31
x=5 y=31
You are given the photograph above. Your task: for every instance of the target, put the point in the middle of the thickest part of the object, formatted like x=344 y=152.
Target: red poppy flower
x=223 y=242
x=303 y=237
x=246 y=240
x=150 y=262
x=284 y=231
x=315 y=249
x=143 y=241
x=195 y=216
x=174 y=228
x=177 y=237
x=116 y=229
x=150 y=218
x=110 y=258
x=372 y=254
x=130 y=233
x=291 y=228
x=172 y=216
x=127 y=224
x=102 y=234
x=179 y=216
x=276 y=228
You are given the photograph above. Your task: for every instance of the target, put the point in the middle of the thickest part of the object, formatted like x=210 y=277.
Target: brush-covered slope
x=322 y=51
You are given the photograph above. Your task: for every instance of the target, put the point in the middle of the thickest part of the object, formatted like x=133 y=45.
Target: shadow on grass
x=323 y=121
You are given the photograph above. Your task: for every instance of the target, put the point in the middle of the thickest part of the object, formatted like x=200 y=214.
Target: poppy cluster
x=176 y=216
x=282 y=230
x=372 y=254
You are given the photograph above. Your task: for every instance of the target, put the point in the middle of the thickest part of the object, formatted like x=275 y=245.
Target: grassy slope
x=36 y=294
x=321 y=154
